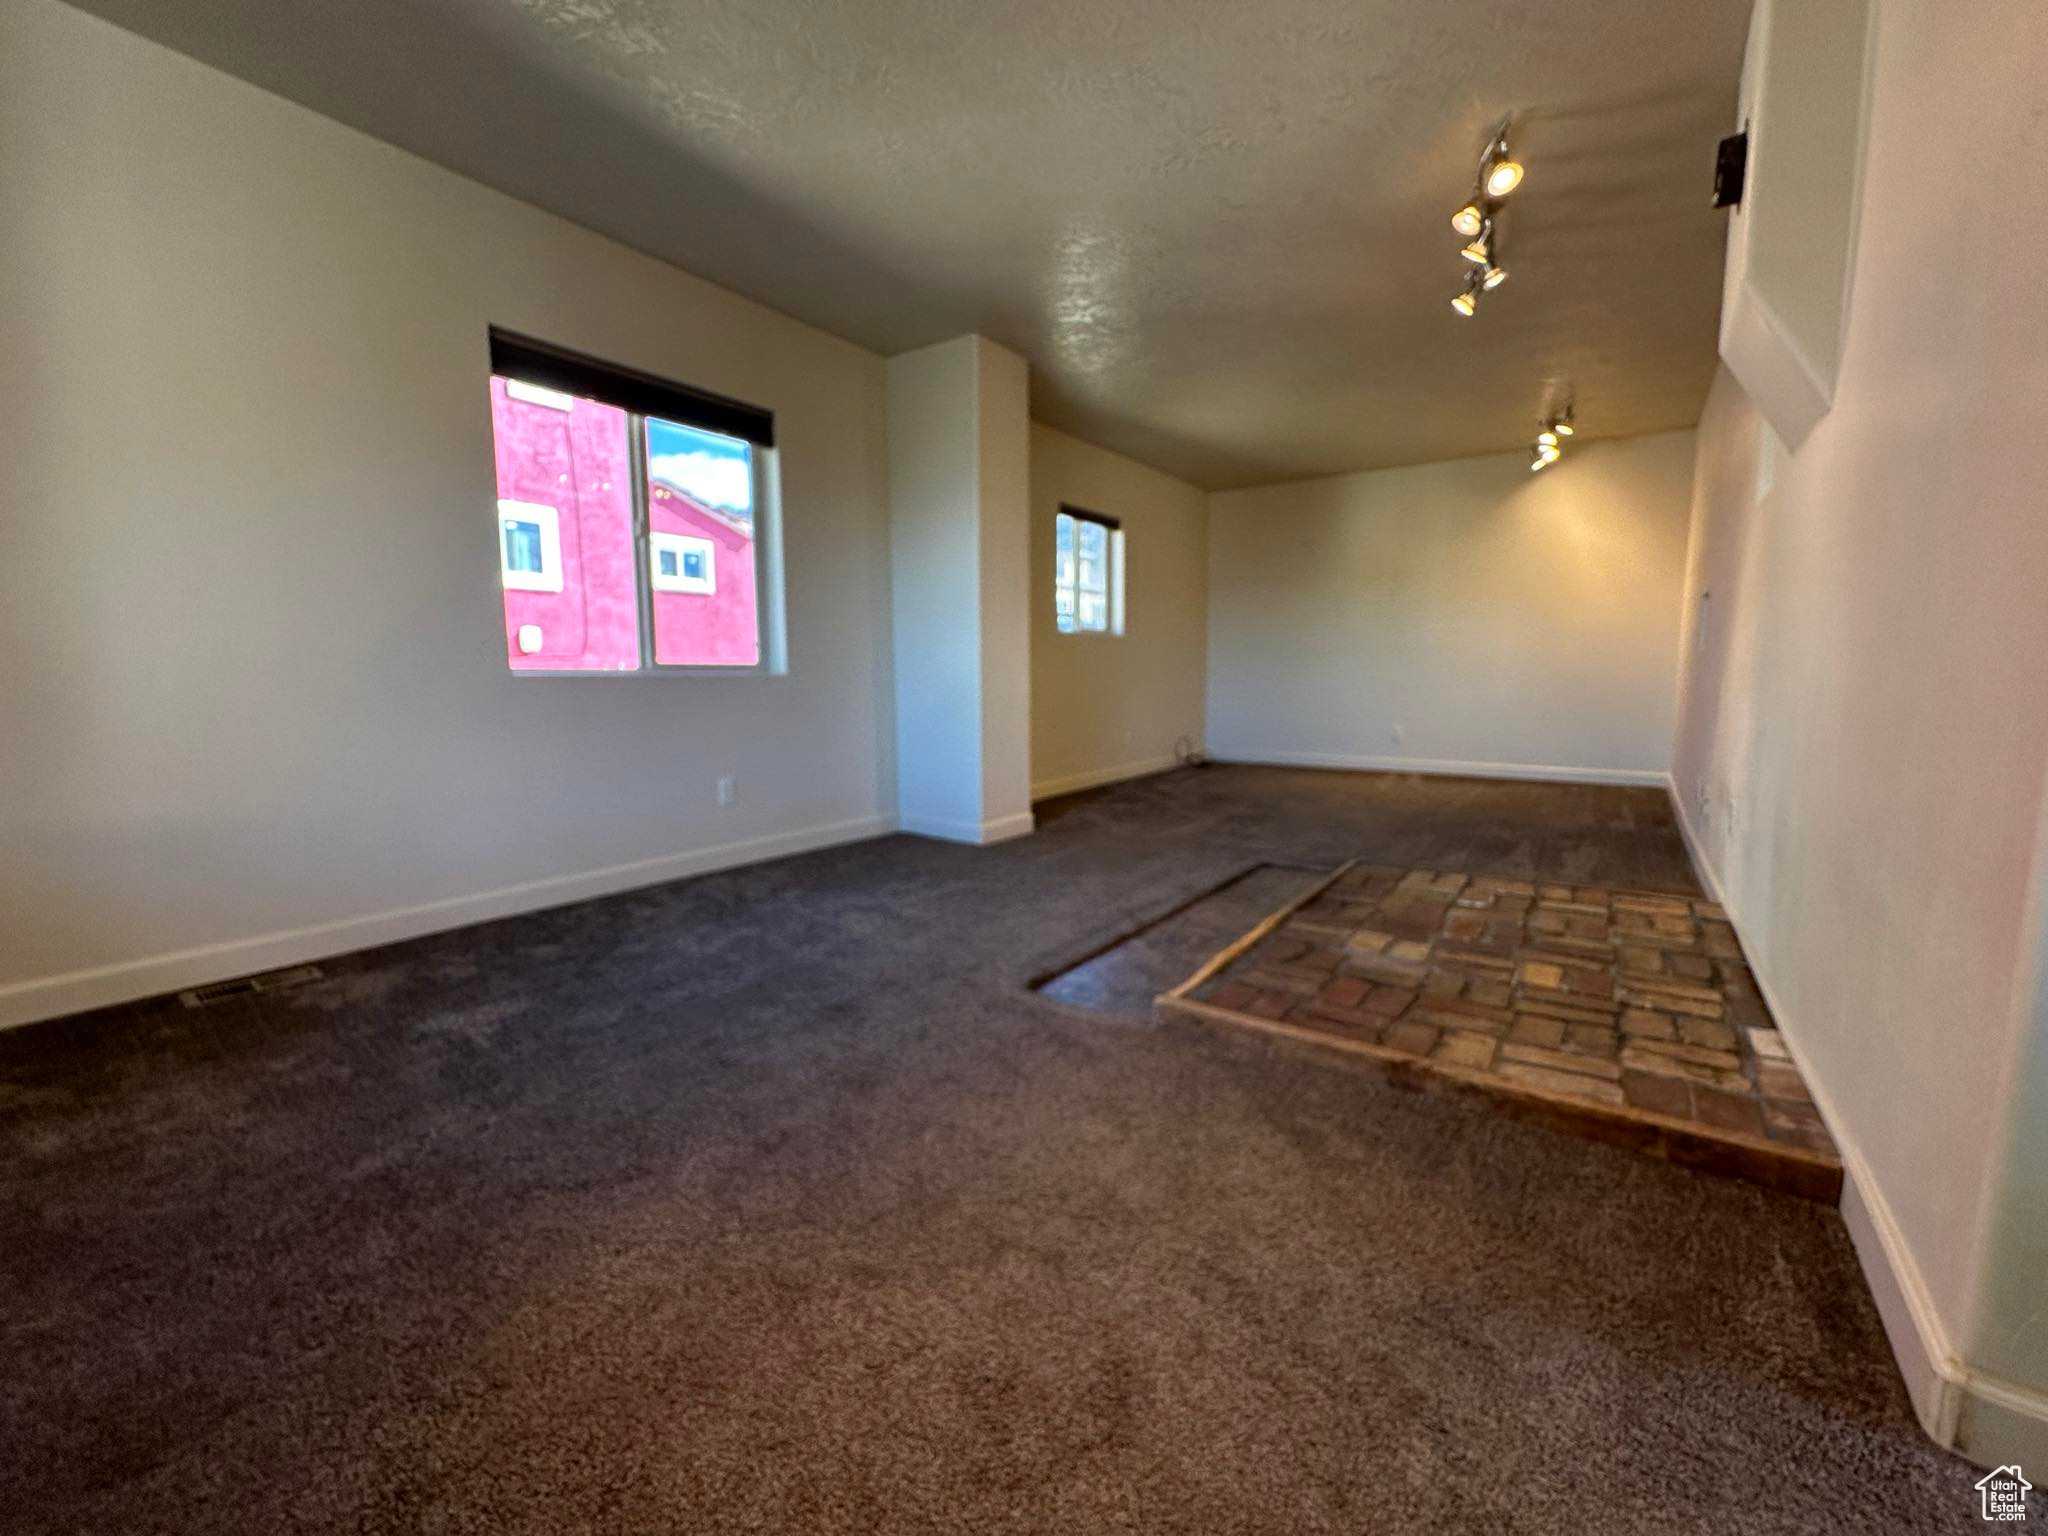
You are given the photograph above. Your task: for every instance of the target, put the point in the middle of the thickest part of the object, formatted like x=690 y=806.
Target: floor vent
x=248 y=986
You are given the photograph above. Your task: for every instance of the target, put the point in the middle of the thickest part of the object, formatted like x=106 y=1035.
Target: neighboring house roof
x=741 y=526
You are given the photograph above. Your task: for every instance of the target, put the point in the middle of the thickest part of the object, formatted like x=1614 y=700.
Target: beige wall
x=1862 y=732
x=2004 y=1414
x=256 y=703
x=959 y=489
x=1106 y=707
x=1004 y=453
x=1459 y=617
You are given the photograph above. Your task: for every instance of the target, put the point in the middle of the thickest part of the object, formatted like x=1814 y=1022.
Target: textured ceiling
x=1218 y=230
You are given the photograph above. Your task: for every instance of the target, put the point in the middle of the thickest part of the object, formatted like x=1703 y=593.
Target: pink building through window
x=568 y=545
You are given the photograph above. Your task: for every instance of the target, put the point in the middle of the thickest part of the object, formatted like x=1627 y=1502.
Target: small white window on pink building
x=633 y=519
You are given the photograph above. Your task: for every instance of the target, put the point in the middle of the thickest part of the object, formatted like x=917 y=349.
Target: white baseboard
x=2000 y=1422
x=1095 y=778
x=1655 y=778
x=1980 y=1416
x=1001 y=830
x=980 y=833
x=1984 y=1418
x=1710 y=878
x=1912 y=1324
x=51 y=997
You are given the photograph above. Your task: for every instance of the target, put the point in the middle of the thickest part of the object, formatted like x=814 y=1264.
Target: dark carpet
x=773 y=1201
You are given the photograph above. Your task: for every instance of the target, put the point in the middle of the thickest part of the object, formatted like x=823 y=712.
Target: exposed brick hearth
x=1627 y=1015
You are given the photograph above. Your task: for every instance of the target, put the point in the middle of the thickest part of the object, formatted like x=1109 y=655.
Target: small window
x=683 y=563
x=630 y=518
x=1088 y=573
x=530 y=546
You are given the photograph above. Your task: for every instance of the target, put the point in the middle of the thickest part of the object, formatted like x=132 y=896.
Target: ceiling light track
x=1499 y=174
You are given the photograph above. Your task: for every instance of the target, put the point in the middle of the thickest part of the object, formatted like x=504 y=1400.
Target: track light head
x=1549 y=445
x=1467 y=300
x=1495 y=276
x=1468 y=220
x=1479 y=250
x=1499 y=171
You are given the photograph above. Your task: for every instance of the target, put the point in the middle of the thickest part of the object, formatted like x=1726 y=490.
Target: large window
x=632 y=522
x=1088 y=573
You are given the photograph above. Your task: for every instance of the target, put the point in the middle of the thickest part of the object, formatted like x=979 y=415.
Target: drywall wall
x=1005 y=507
x=1459 y=617
x=256 y=701
x=935 y=554
x=1862 y=733
x=958 y=431
x=2002 y=1411
x=1110 y=707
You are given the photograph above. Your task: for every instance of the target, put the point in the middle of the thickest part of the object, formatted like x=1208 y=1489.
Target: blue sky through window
x=713 y=469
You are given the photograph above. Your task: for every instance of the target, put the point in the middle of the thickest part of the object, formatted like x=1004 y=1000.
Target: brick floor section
x=1633 y=1011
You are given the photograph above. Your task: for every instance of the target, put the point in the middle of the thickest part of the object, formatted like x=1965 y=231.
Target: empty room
x=1097 y=767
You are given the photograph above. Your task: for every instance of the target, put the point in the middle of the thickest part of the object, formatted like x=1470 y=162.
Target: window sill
x=673 y=673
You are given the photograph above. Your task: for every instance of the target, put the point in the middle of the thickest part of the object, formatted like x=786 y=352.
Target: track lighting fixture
x=1549 y=445
x=1499 y=174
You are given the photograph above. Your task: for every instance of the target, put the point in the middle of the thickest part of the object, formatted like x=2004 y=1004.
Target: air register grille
x=247 y=986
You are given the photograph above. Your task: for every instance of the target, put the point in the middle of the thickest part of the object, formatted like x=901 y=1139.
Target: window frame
x=1113 y=553
x=539 y=366
x=767 y=662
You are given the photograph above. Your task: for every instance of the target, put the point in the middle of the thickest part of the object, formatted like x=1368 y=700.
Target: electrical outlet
x=1399 y=733
x=728 y=790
